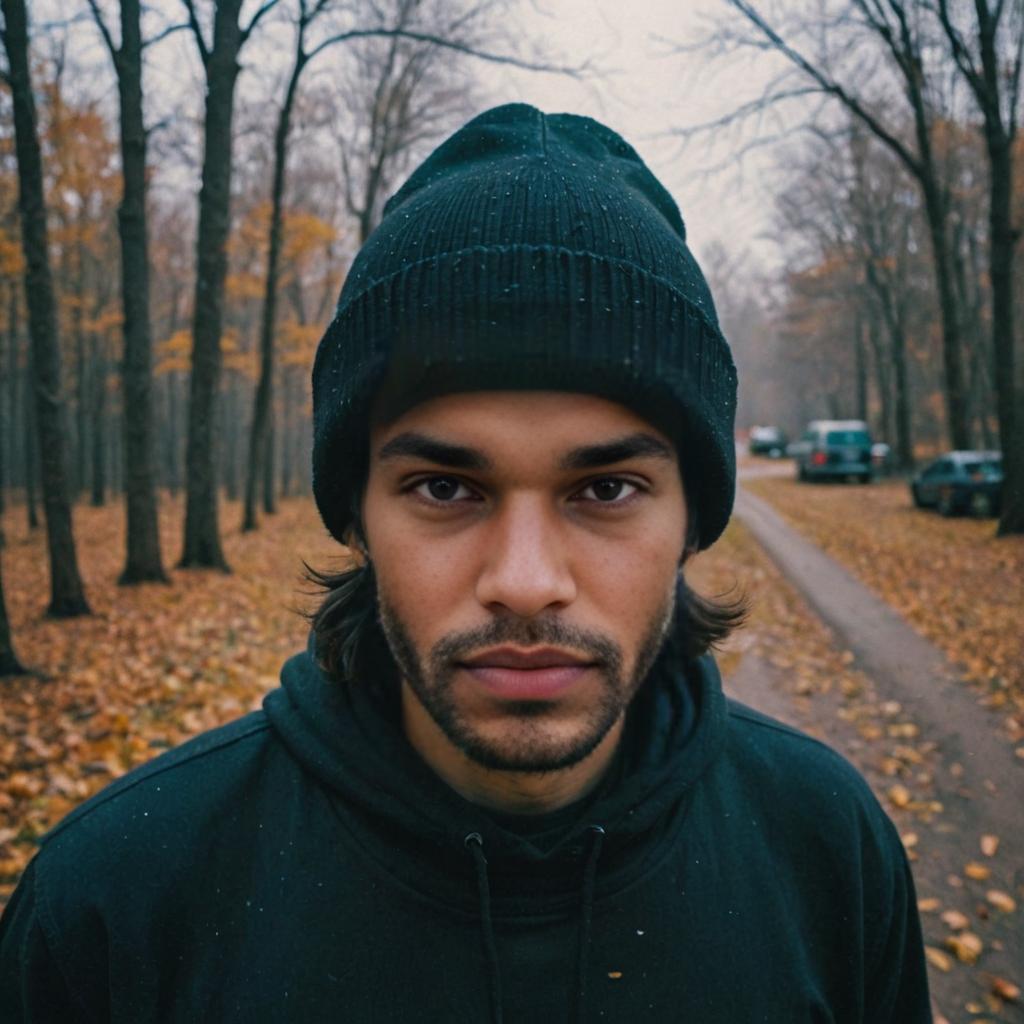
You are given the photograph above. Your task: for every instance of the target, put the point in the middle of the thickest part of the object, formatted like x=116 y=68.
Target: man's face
x=526 y=546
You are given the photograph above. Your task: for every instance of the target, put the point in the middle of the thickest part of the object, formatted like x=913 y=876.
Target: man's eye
x=609 y=491
x=442 y=488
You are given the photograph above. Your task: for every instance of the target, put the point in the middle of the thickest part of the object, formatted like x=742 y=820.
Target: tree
x=9 y=664
x=261 y=439
x=397 y=97
x=987 y=43
x=143 y=561
x=887 y=37
x=67 y=596
x=202 y=545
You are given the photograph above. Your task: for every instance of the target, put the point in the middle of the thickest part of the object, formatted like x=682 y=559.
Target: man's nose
x=526 y=566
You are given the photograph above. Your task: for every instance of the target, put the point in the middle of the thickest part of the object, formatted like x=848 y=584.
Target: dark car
x=834 y=450
x=766 y=441
x=961 y=482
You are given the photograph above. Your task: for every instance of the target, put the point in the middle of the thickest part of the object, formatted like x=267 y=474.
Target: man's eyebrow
x=431 y=449
x=634 y=446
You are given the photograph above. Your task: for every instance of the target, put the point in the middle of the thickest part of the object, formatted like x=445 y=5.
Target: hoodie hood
x=352 y=741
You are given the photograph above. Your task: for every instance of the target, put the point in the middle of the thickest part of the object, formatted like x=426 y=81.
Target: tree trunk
x=202 y=547
x=142 y=551
x=6 y=416
x=261 y=439
x=860 y=370
x=30 y=453
x=99 y=424
x=270 y=469
x=228 y=434
x=67 y=596
x=173 y=434
x=12 y=378
x=904 y=440
x=82 y=389
x=9 y=664
x=1009 y=391
x=952 y=354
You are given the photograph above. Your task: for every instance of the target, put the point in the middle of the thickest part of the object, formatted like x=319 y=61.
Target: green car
x=961 y=482
x=834 y=450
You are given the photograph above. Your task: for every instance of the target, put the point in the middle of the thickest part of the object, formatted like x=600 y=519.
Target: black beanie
x=529 y=251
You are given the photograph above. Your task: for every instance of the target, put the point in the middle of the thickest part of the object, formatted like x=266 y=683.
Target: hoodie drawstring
x=586 y=914
x=474 y=842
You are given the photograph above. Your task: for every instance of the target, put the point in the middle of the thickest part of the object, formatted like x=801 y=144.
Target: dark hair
x=350 y=644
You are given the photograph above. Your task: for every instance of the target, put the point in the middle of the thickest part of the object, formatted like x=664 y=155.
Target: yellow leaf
x=899 y=795
x=966 y=947
x=989 y=845
x=955 y=920
x=938 y=959
x=1001 y=900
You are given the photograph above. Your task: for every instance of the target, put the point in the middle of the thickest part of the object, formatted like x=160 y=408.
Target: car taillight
x=819 y=458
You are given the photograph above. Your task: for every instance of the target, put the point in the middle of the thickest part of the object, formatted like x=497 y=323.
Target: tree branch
x=97 y=16
x=827 y=85
x=960 y=52
x=267 y=5
x=447 y=44
x=161 y=36
x=193 y=23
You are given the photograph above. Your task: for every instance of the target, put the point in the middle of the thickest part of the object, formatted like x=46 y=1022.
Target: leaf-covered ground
x=952 y=579
x=152 y=666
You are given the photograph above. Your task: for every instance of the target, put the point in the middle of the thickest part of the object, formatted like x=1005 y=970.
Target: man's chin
x=528 y=752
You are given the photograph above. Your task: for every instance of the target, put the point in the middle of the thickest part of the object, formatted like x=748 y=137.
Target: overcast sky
x=651 y=91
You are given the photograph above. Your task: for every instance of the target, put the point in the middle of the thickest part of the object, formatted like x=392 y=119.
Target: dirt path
x=972 y=778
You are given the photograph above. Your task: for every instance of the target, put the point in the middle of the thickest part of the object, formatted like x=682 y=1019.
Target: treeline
x=899 y=216
x=150 y=342
x=851 y=327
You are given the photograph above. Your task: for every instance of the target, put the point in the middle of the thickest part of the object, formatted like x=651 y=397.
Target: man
x=503 y=783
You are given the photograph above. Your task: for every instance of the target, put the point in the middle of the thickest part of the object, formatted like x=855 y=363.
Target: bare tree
x=883 y=41
x=67 y=597
x=987 y=43
x=9 y=664
x=400 y=96
x=202 y=545
x=143 y=561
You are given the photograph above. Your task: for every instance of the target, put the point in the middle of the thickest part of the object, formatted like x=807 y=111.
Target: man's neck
x=509 y=792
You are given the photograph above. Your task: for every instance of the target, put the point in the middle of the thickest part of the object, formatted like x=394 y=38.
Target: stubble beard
x=528 y=746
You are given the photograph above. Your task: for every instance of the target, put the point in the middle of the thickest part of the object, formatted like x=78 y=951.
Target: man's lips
x=510 y=673
x=526 y=658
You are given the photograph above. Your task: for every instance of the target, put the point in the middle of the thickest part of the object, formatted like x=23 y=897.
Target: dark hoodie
x=303 y=864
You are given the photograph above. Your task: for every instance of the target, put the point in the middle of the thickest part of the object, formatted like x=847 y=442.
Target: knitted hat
x=529 y=251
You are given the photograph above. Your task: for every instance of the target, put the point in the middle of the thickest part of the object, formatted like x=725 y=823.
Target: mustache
x=528 y=633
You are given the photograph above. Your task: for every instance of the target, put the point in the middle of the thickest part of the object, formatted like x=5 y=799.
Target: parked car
x=766 y=441
x=834 y=450
x=961 y=482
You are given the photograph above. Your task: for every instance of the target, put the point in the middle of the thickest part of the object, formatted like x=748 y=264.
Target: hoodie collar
x=351 y=741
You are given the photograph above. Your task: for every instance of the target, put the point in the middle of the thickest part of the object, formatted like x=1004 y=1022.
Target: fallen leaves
x=153 y=666
x=939 y=960
x=1002 y=901
x=976 y=870
x=952 y=578
x=966 y=947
